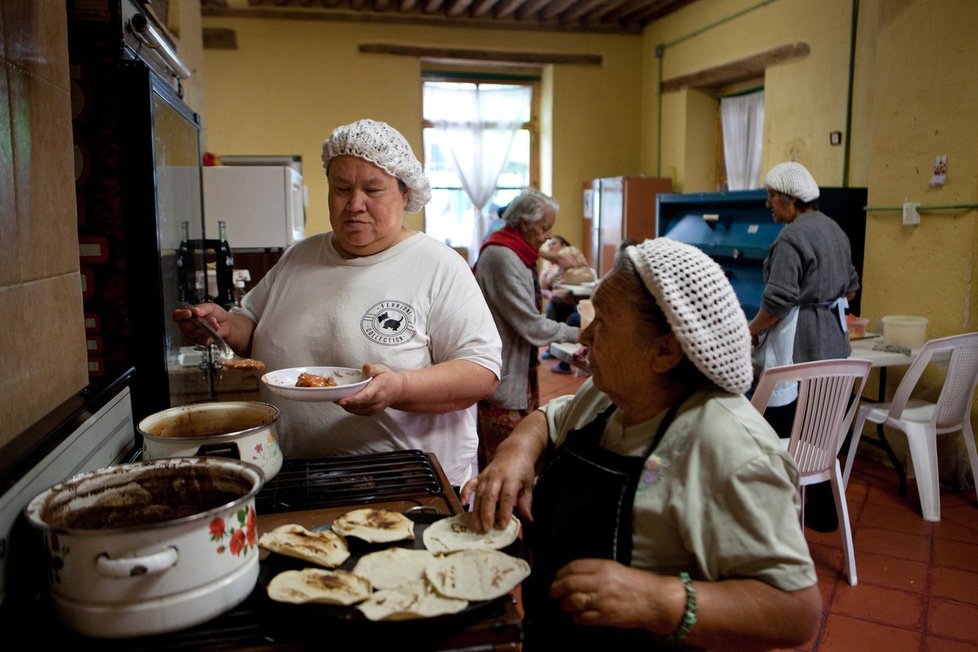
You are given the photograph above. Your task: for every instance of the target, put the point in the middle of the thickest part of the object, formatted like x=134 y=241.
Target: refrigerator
x=138 y=187
x=618 y=208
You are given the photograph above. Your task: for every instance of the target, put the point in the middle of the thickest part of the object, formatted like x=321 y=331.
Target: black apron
x=582 y=508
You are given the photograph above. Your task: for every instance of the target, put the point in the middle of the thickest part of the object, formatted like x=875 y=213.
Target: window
x=479 y=141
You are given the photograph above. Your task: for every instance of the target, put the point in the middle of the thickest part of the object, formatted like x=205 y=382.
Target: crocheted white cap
x=702 y=309
x=792 y=179
x=385 y=147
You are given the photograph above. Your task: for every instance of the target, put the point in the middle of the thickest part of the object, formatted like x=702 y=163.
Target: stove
x=352 y=480
x=313 y=493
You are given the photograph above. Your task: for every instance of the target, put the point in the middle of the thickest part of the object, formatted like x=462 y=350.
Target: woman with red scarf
x=506 y=272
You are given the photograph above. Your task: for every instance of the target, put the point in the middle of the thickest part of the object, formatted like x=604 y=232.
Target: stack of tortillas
x=458 y=565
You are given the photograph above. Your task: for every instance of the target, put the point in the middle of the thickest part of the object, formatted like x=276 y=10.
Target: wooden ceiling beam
x=737 y=71
x=457 y=8
x=531 y=9
x=507 y=8
x=555 y=9
x=582 y=9
x=600 y=16
x=496 y=56
x=483 y=8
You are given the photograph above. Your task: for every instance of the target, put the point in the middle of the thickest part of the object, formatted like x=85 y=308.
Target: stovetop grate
x=348 y=480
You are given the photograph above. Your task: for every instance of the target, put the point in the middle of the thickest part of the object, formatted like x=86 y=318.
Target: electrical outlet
x=835 y=138
x=911 y=213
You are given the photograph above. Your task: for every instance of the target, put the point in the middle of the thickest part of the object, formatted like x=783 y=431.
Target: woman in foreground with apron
x=809 y=280
x=666 y=512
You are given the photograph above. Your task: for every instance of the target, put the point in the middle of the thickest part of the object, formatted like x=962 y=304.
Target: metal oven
x=736 y=230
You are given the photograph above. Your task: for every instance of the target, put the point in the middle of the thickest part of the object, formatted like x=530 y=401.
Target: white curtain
x=478 y=121
x=743 y=127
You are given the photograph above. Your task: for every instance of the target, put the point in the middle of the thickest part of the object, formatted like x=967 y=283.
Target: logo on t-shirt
x=389 y=323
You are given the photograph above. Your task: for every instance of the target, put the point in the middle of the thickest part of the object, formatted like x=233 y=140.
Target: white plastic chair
x=921 y=421
x=828 y=393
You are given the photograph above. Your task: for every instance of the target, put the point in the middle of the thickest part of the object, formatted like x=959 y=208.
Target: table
x=863 y=348
x=579 y=291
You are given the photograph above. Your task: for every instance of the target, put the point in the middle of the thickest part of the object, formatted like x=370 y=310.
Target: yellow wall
x=290 y=83
x=915 y=96
x=805 y=98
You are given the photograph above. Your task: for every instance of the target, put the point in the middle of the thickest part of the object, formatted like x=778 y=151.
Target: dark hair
x=562 y=239
x=802 y=206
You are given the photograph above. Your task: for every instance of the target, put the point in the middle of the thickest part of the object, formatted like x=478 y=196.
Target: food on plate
x=392 y=567
x=476 y=574
x=314 y=380
x=375 y=525
x=416 y=599
x=244 y=364
x=459 y=533
x=320 y=586
x=325 y=547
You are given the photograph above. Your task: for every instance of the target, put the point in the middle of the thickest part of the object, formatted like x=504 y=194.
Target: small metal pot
x=152 y=547
x=240 y=430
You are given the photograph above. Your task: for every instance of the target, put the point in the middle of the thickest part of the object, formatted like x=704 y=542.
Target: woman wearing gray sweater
x=506 y=272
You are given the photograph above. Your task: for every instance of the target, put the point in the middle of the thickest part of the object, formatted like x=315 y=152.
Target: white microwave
x=262 y=206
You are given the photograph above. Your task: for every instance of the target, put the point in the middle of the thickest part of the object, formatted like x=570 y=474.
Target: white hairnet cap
x=385 y=147
x=792 y=179
x=703 y=311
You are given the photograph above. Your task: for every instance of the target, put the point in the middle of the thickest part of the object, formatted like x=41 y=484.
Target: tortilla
x=325 y=548
x=476 y=574
x=319 y=586
x=416 y=599
x=375 y=525
x=392 y=567
x=458 y=533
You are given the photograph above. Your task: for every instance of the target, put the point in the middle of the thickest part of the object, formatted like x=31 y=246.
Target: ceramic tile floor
x=918 y=581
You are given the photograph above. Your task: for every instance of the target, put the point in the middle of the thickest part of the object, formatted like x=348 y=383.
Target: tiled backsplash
x=42 y=341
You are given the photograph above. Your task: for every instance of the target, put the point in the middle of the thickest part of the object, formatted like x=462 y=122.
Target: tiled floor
x=918 y=581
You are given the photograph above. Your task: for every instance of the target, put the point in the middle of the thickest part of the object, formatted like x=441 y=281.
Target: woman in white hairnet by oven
x=809 y=280
x=372 y=294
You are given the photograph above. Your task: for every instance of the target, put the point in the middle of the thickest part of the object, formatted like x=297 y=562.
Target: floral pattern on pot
x=238 y=538
x=267 y=452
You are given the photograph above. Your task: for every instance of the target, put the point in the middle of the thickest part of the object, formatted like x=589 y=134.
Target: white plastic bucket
x=904 y=330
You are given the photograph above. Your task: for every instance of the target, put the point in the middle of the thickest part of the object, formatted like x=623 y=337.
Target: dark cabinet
x=736 y=229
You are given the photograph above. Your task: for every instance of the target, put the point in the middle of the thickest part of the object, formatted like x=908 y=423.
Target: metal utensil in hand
x=224 y=349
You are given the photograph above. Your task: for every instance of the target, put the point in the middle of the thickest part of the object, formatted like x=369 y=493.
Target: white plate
x=282 y=382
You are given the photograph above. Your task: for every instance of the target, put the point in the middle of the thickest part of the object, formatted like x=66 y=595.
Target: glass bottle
x=185 y=264
x=225 y=267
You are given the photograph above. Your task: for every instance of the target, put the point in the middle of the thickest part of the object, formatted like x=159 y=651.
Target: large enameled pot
x=150 y=547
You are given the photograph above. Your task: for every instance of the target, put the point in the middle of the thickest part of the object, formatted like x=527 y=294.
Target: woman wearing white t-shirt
x=371 y=294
